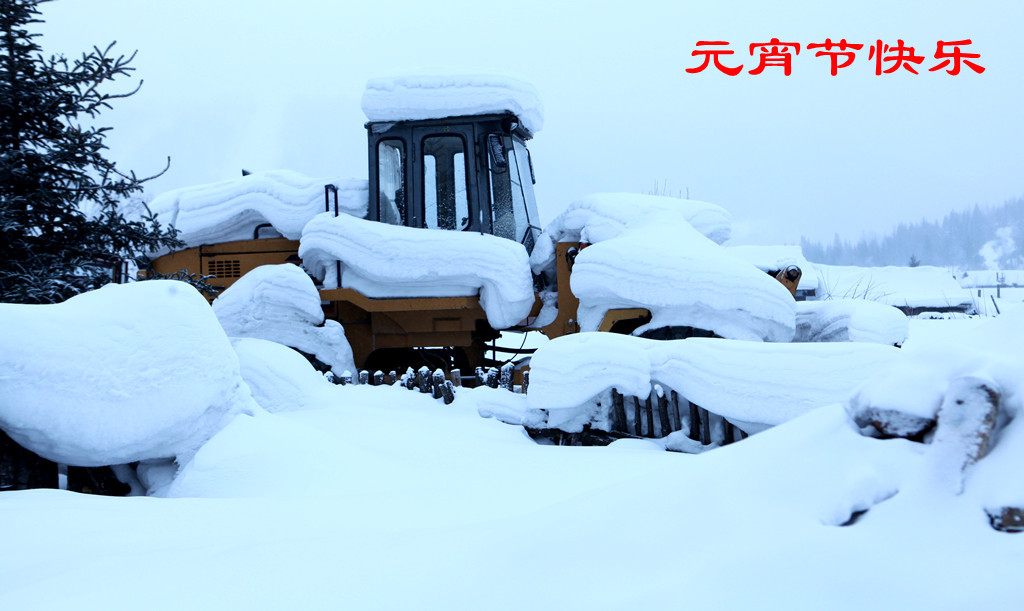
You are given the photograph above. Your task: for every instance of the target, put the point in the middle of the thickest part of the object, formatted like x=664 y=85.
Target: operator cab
x=469 y=173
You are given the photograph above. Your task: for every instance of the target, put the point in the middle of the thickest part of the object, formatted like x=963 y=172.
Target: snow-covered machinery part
x=443 y=154
x=451 y=155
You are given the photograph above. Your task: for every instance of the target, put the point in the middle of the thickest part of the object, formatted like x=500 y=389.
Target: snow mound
x=280 y=379
x=280 y=303
x=382 y=261
x=645 y=253
x=902 y=287
x=903 y=399
x=415 y=97
x=775 y=258
x=121 y=374
x=752 y=384
x=850 y=320
x=232 y=209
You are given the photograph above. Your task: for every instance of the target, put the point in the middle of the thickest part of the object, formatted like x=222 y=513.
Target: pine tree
x=61 y=228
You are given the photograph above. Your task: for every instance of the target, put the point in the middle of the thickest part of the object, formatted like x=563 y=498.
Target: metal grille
x=225 y=269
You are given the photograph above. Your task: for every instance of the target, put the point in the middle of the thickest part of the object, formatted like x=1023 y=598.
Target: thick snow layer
x=775 y=258
x=279 y=378
x=381 y=261
x=232 y=209
x=424 y=96
x=914 y=385
x=912 y=287
x=645 y=253
x=850 y=320
x=752 y=384
x=280 y=303
x=120 y=374
x=331 y=508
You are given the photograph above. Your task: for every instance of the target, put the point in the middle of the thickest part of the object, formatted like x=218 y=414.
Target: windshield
x=513 y=207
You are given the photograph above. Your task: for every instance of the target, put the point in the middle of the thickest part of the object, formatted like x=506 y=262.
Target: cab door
x=444 y=179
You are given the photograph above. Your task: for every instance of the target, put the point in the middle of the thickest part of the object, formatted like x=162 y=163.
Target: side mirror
x=496 y=149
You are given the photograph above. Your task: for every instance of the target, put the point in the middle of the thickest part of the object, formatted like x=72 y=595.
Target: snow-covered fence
x=437 y=383
x=662 y=413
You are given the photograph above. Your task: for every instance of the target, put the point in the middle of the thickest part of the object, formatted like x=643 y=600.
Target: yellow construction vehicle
x=463 y=173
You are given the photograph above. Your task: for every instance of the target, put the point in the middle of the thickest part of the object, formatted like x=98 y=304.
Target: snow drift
x=382 y=261
x=645 y=253
x=424 y=96
x=280 y=303
x=232 y=209
x=278 y=377
x=121 y=374
x=908 y=288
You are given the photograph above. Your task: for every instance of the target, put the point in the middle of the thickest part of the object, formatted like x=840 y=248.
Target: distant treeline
x=977 y=239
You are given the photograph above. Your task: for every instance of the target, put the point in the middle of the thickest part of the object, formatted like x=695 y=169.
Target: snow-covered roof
x=774 y=258
x=645 y=253
x=232 y=209
x=417 y=97
x=381 y=260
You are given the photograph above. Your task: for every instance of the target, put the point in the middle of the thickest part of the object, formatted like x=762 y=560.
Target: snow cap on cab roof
x=426 y=96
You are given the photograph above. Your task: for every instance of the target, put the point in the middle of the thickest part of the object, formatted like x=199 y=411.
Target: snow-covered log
x=903 y=399
x=966 y=426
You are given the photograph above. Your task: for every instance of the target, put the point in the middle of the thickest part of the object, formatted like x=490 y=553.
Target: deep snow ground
x=382 y=498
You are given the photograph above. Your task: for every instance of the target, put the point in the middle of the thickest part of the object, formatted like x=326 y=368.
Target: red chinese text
x=841 y=49
x=713 y=55
x=956 y=55
x=775 y=53
x=888 y=59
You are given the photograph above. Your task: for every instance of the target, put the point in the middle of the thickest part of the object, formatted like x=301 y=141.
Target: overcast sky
x=264 y=84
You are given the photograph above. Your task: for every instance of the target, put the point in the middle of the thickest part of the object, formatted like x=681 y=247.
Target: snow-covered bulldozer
x=464 y=170
x=444 y=154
